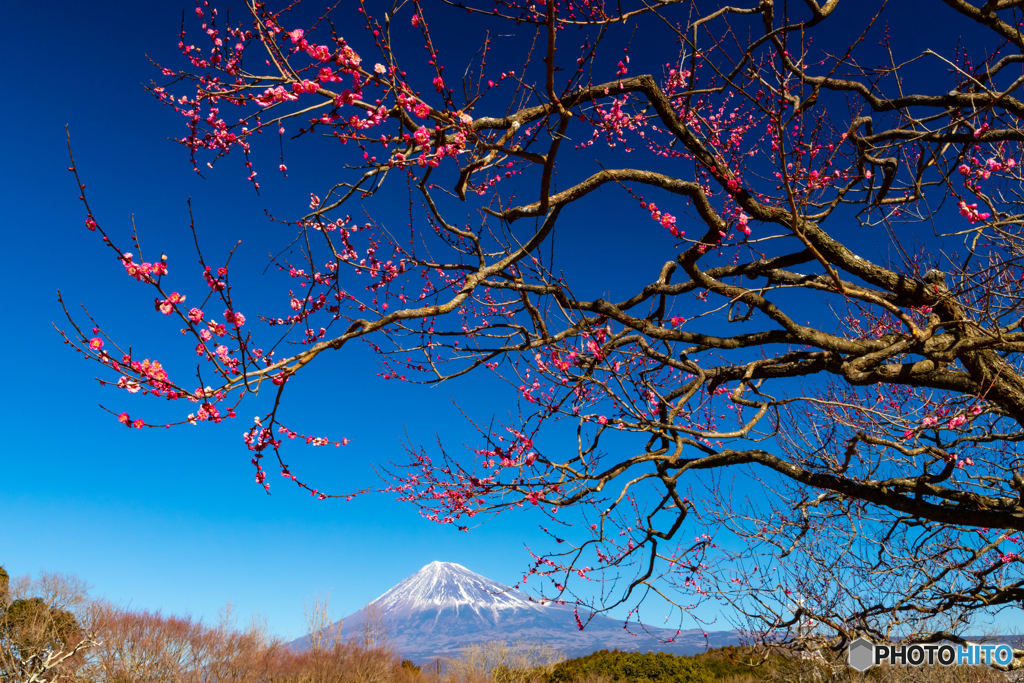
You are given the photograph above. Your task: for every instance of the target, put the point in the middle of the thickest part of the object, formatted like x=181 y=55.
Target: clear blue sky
x=171 y=519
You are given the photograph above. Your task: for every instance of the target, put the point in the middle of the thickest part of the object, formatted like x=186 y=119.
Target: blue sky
x=171 y=519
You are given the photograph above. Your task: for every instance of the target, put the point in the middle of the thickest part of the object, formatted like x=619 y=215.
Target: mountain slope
x=444 y=607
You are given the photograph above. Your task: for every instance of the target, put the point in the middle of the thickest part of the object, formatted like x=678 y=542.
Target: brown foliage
x=142 y=646
x=147 y=646
x=507 y=662
x=343 y=662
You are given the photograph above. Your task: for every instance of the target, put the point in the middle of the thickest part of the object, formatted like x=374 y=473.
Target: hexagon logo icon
x=861 y=654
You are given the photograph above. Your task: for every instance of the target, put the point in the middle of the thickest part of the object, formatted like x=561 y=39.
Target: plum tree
x=717 y=166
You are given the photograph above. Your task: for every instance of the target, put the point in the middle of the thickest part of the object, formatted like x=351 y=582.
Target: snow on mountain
x=446 y=589
x=444 y=607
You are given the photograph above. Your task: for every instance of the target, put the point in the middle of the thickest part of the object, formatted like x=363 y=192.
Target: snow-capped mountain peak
x=446 y=585
x=444 y=607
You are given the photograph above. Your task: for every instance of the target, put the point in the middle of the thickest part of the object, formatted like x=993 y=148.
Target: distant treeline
x=747 y=665
x=649 y=667
x=51 y=632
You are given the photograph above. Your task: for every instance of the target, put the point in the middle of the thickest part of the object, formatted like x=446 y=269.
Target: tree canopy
x=41 y=638
x=635 y=667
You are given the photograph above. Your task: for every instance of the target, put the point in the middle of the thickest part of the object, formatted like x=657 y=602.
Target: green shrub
x=727 y=662
x=36 y=627
x=633 y=667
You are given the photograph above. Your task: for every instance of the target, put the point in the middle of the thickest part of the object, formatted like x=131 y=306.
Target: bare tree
x=373 y=629
x=836 y=426
x=143 y=646
x=138 y=646
x=321 y=634
x=518 y=662
x=241 y=656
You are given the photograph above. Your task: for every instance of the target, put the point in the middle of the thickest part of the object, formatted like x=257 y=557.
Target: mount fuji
x=444 y=607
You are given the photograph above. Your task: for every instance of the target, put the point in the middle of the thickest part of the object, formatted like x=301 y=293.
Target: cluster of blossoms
x=743 y=223
x=207 y=411
x=149 y=373
x=143 y=272
x=217 y=284
x=124 y=419
x=518 y=453
x=167 y=305
x=312 y=440
x=936 y=421
x=615 y=122
x=971 y=213
x=667 y=220
x=454 y=499
x=229 y=363
x=274 y=96
x=213 y=328
x=131 y=386
x=983 y=171
x=234 y=318
x=258 y=438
